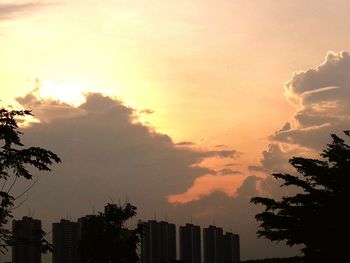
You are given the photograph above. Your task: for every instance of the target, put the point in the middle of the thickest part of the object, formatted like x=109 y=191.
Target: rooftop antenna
x=191 y=219
x=214 y=222
x=166 y=217
x=155 y=215
x=32 y=214
x=93 y=210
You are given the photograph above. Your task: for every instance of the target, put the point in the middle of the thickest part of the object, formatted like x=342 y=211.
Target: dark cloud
x=258 y=168
x=48 y=110
x=286 y=127
x=234 y=214
x=10 y=11
x=231 y=164
x=223 y=153
x=105 y=152
x=108 y=155
x=185 y=143
x=228 y=171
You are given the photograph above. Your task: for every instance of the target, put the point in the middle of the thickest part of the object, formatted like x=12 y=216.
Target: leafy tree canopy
x=318 y=216
x=15 y=161
x=105 y=238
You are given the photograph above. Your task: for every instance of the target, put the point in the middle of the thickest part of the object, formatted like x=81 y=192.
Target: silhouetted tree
x=15 y=161
x=105 y=239
x=318 y=216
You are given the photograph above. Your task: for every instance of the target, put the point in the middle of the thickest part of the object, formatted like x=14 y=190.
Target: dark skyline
x=65 y=236
x=190 y=243
x=158 y=243
x=27 y=240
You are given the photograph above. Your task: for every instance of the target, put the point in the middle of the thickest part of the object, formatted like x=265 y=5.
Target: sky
x=184 y=108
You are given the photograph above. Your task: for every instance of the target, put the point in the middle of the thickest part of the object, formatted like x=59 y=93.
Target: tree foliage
x=15 y=161
x=318 y=216
x=105 y=238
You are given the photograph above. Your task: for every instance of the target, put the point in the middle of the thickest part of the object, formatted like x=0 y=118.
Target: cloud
x=105 y=151
x=185 y=143
x=223 y=153
x=328 y=82
x=147 y=111
x=10 y=10
x=258 y=168
x=107 y=154
x=48 y=110
x=233 y=213
x=227 y=171
x=208 y=184
x=321 y=96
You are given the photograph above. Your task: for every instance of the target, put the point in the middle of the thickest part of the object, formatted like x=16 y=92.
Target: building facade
x=213 y=245
x=190 y=243
x=158 y=244
x=231 y=248
x=65 y=242
x=26 y=236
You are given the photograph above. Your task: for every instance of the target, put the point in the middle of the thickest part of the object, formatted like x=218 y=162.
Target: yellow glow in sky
x=212 y=71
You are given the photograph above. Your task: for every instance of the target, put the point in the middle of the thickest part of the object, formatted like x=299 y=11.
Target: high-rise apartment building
x=213 y=245
x=158 y=242
x=27 y=235
x=231 y=248
x=190 y=243
x=65 y=241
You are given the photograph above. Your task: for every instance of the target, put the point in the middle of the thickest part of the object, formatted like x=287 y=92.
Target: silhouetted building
x=82 y=223
x=65 y=241
x=26 y=236
x=190 y=243
x=231 y=248
x=158 y=242
x=213 y=245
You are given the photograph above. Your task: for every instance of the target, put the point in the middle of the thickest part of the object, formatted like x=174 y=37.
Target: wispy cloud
x=11 y=10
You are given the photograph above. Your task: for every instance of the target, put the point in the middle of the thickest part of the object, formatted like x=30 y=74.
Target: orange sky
x=209 y=73
x=212 y=71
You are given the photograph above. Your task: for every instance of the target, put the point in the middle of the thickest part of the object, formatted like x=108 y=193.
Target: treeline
x=275 y=260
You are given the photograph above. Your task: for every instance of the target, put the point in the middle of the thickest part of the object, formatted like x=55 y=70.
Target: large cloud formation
x=107 y=156
x=107 y=153
x=321 y=96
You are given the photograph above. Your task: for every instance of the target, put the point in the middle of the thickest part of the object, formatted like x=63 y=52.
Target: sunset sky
x=186 y=107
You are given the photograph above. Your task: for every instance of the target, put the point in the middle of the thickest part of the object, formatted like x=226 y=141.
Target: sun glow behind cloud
x=67 y=91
